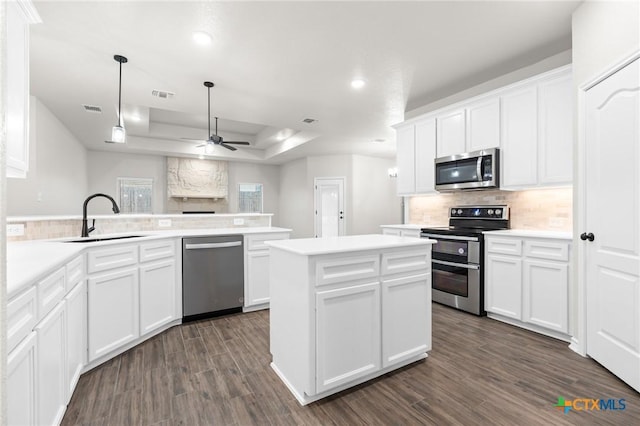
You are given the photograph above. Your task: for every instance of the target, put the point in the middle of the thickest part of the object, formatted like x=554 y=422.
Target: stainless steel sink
x=93 y=240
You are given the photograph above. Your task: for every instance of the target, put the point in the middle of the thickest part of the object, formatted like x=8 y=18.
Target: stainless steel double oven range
x=458 y=258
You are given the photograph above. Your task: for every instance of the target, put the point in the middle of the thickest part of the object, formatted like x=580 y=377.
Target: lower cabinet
x=527 y=280
x=157 y=294
x=402 y=308
x=76 y=307
x=51 y=396
x=113 y=310
x=348 y=334
x=258 y=278
x=21 y=382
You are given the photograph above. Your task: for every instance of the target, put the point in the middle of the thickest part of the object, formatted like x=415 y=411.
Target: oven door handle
x=448 y=237
x=457 y=265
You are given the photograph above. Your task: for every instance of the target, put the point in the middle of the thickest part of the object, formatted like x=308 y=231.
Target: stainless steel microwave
x=472 y=170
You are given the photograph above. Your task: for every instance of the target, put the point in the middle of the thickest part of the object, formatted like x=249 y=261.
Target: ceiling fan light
x=208 y=148
x=202 y=37
x=118 y=134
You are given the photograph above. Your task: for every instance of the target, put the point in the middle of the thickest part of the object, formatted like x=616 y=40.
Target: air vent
x=92 y=108
x=309 y=120
x=162 y=94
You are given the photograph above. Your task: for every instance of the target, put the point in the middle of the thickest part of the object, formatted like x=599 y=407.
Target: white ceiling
x=275 y=64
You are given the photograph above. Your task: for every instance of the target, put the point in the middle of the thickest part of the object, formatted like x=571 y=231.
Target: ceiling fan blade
x=228 y=147
x=201 y=145
x=238 y=142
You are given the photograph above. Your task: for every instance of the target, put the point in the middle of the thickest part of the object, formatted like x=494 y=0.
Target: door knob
x=584 y=236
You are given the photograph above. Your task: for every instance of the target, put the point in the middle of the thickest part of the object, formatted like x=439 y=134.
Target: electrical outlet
x=15 y=229
x=164 y=223
x=238 y=221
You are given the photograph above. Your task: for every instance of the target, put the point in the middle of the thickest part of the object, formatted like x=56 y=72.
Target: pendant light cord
x=120 y=97
x=209 y=112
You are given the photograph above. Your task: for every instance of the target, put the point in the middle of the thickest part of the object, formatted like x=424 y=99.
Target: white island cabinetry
x=347 y=309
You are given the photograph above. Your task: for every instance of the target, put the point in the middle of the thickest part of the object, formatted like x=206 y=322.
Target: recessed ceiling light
x=135 y=118
x=309 y=120
x=201 y=37
x=358 y=83
x=379 y=140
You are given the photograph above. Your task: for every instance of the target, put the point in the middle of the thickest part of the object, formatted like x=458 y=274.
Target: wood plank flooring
x=480 y=372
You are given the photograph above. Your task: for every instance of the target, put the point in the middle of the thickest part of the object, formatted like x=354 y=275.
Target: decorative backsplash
x=540 y=209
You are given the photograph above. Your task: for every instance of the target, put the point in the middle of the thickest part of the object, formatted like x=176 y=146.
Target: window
x=250 y=198
x=135 y=195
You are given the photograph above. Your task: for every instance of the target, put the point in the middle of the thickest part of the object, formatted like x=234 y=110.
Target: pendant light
x=118 y=134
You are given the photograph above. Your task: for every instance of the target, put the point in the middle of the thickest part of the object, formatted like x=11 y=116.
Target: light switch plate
x=164 y=223
x=238 y=221
x=15 y=229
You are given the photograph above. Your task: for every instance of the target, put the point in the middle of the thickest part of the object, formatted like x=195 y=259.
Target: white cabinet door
x=21 y=383
x=483 y=124
x=425 y=149
x=391 y=231
x=451 y=133
x=51 y=364
x=157 y=294
x=406 y=318
x=17 y=97
x=405 y=160
x=555 y=130
x=503 y=286
x=257 y=277
x=76 y=307
x=519 y=154
x=113 y=311
x=347 y=334
x=546 y=288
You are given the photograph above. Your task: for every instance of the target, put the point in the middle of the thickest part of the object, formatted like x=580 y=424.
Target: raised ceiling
x=275 y=64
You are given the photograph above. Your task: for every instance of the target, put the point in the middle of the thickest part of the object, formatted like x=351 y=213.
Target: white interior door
x=612 y=234
x=329 y=207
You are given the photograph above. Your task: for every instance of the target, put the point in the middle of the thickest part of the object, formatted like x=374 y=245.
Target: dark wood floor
x=480 y=372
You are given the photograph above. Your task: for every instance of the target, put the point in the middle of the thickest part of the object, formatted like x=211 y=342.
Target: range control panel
x=479 y=212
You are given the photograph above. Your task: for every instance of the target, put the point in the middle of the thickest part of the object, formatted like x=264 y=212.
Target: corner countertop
x=350 y=243
x=403 y=226
x=29 y=261
x=531 y=233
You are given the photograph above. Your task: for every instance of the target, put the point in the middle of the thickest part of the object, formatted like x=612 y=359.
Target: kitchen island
x=347 y=309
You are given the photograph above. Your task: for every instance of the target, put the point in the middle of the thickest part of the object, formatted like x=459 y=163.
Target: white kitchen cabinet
x=348 y=334
x=51 y=290
x=51 y=395
x=416 y=150
x=21 y=383
x=256 y=267
x=402 y=308
x=113 y=310
x=401 y=230
x=555 y=130
x=451 y=130
x=21 y=317
x=76 y=335
x=527 y=282
x=483 y=124
x=519 y=149
x=19 y=15
x=503 y=285
x=157 y=294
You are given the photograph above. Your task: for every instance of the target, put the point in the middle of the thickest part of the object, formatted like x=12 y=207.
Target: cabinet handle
x=584 y=236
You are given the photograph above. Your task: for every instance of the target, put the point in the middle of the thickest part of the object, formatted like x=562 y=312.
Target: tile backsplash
x=541 y=209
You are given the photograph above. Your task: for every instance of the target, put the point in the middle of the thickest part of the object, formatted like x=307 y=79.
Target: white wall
x=267 y=175
x=57 y=179
x=106 y=167
x=374 y=198
x=296 y=199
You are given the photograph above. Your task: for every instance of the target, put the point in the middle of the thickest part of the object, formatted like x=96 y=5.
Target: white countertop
x=532 y=233
x=327 y=245
x=29 y=261
x=403 y=226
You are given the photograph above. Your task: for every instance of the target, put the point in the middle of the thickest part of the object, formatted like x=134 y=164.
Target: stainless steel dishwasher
x=212 y=276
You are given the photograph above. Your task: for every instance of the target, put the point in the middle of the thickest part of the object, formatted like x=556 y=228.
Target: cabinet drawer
x=157 y=250
x=552 y=250
x=75 y=272
x=504 y=246
x=51 y=290
x=256 y=242
x=406 y=261
x=347 y=269
x=110 y=258
x=21 y=317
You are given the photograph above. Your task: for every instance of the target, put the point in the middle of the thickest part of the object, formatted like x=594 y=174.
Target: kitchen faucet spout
x=85 y=227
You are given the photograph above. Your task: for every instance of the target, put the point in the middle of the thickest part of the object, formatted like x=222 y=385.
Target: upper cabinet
x=20 y=14
x=530 y=121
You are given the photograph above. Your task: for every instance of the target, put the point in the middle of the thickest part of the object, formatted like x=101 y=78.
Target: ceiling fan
x=214 y=139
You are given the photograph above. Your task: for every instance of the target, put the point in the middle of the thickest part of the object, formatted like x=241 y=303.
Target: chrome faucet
x=85 y=225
